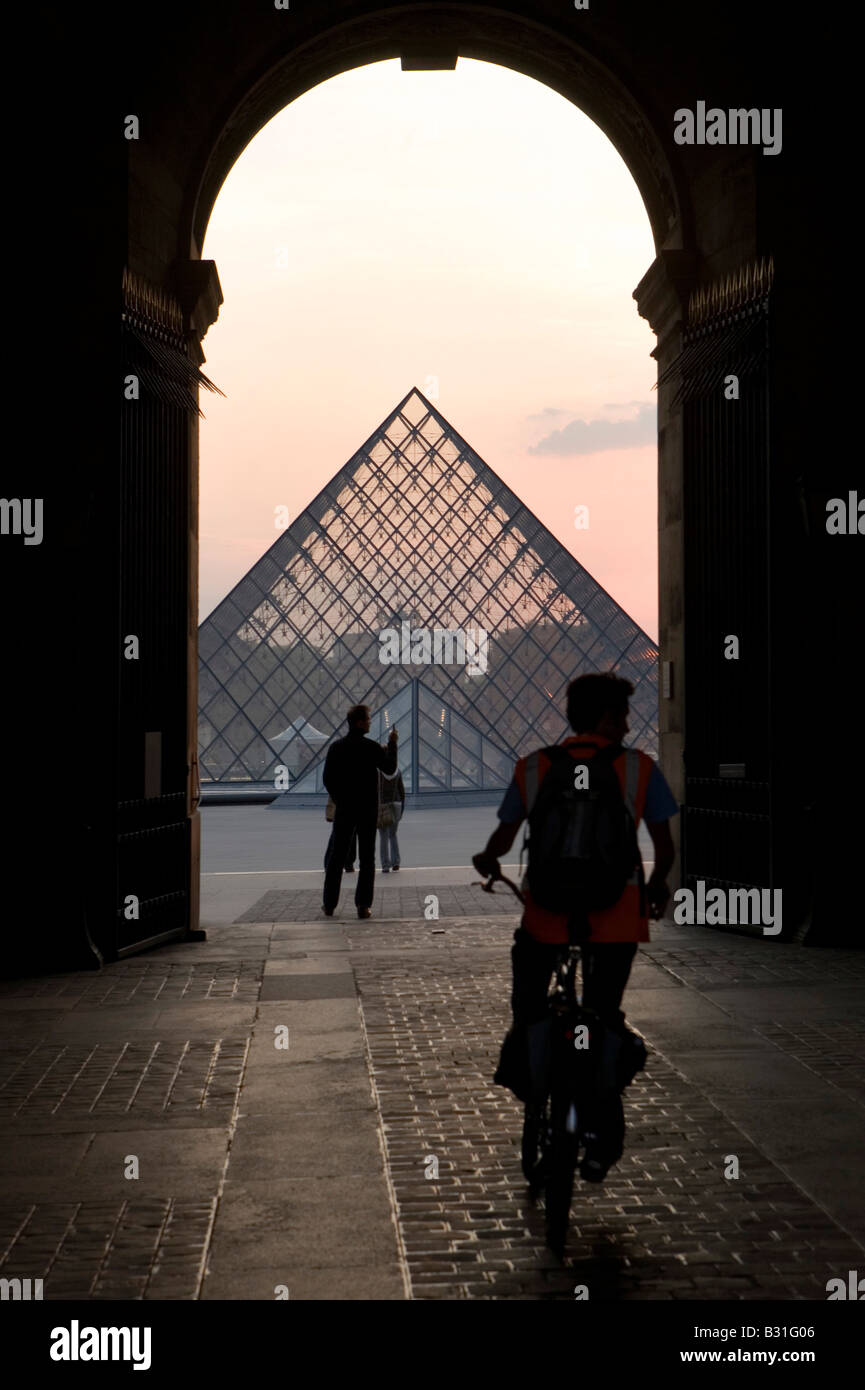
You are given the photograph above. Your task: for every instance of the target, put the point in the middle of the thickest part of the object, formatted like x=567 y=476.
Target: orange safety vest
x=624 y=921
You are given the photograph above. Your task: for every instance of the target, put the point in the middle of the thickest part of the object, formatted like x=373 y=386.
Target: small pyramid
x=415 y=533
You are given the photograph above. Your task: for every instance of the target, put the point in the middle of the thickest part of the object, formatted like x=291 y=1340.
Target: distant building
x=417 y=583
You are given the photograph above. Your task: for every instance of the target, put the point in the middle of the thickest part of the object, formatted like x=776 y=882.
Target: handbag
x=330 y=809
x=386 y=816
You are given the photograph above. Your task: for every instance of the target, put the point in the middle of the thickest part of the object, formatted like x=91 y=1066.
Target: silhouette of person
x=351 y=778
x=597 y=707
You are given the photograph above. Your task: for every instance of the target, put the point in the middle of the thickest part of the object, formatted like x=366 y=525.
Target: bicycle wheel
x=561 y=1162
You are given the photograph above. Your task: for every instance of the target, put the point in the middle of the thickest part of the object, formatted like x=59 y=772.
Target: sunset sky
x=470 y=233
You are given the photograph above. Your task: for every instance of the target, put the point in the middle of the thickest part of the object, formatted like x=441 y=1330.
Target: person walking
x=391 y=806
x=597 y=709
x=351 y=779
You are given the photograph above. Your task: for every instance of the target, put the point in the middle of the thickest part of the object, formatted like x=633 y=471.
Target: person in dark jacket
x=351 y=778
x=350 y=857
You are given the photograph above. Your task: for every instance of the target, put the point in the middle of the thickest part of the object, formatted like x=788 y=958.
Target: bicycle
x=578 y=1068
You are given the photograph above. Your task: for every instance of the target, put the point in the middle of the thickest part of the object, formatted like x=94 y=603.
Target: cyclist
x=597 y=711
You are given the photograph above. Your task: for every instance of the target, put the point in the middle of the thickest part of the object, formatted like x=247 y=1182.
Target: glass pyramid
x=416 y=583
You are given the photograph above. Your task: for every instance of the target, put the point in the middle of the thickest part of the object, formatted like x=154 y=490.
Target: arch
x=437 y=35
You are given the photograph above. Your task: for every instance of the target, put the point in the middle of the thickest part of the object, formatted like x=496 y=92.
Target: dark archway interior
x=201 y=83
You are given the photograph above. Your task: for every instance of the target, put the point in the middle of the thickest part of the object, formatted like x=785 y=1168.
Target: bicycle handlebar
x=491 y=879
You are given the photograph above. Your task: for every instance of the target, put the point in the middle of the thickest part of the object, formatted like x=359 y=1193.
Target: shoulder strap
x=532 y=775
x=532 y=772
x=632 y=773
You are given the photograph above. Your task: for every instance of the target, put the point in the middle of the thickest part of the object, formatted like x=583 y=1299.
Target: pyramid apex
x=415 y=391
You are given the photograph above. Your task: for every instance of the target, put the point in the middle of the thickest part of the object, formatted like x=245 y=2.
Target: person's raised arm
x=387 y=756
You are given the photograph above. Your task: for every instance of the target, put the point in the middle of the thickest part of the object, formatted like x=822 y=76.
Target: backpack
x=582 y=841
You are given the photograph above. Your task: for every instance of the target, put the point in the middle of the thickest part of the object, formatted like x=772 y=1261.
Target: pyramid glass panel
x=416 y=583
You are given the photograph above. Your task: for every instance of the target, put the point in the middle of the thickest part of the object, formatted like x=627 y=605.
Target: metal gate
x=724 y=392
x=152 y=828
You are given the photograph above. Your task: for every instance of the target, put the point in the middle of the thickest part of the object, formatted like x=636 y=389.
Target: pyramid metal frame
x=414 y=528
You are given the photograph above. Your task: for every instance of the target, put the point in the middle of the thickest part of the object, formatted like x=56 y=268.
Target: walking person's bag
x=386 y=815
x=330 y=809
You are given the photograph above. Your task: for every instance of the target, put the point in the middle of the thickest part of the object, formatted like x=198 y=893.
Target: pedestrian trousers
x=388 y=846
x=350 y=857
x=345 y=822
x=606 y=968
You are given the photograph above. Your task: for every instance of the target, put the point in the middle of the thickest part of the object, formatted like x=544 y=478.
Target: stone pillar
x=662 y=299
x=198 y=290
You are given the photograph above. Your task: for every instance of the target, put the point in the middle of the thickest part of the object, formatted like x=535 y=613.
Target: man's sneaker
x=363 y=913
x=385 y=871
x=395 y=867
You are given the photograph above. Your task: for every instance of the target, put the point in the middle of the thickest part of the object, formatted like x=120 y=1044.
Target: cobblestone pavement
x=408 y=904
x=152 y=1058
x=171 y=1079
x=704 y=966
x=666 y=1224
x=149 y=979
x=128 y=1249
x=834 y=1051
x=136 y=1057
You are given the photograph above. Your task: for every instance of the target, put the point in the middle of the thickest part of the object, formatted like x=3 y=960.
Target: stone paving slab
x=298 y=1225
x=331 y=985
x=325 y=1143
x=306 y=963
x=340 y=1083
x=304 y=1284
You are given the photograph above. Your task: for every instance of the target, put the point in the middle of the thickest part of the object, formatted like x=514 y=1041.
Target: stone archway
x=435 y=36
x=216 y=87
